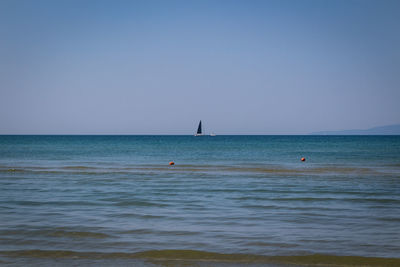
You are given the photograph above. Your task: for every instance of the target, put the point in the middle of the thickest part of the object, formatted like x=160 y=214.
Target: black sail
x=199 y=128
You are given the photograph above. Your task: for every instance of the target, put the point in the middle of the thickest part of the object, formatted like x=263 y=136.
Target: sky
x=158 y=67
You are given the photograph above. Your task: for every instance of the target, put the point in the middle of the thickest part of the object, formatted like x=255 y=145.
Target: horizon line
x=310 y=134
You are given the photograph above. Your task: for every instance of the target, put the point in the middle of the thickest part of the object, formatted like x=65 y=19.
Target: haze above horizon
x=158 y=67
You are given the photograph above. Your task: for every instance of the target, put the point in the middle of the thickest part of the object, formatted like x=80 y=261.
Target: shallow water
x=246 y=195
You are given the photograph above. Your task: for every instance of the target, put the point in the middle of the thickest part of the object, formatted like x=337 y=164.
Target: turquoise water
x=225 y=194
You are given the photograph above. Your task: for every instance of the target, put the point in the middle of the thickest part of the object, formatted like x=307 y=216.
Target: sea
x=227 y=201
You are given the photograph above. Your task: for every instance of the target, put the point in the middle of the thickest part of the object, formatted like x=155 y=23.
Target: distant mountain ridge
x=381 y=130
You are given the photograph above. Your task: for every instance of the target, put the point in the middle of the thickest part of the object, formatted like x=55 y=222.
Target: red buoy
x=303 y=159
x=171 y=163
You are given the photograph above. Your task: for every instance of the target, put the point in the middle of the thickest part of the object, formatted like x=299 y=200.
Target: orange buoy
x=171 y=163
x=303 y=159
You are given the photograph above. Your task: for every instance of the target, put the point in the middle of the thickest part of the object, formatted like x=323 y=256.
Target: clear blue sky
x=158 y=67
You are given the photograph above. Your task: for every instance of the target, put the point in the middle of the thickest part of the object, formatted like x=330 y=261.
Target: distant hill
x=381 y=130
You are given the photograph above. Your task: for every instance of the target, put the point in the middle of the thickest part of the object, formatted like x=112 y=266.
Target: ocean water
x=112 y=200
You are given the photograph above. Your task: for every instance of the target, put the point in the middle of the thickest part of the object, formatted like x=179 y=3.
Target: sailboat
x=199 y=131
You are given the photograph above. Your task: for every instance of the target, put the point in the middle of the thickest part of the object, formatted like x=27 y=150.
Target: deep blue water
x=226 y=194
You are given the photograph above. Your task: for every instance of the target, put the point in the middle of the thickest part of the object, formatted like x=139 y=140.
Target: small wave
x=266 y=169
x=158 y=232
x=49 y=203
x=137 y=215
x=54 y=233
x=268 y=244
x=78 y=168
x=12 y=170
x=133 y=202
x=325 y=199
x=195 y=256
x=78 y=234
